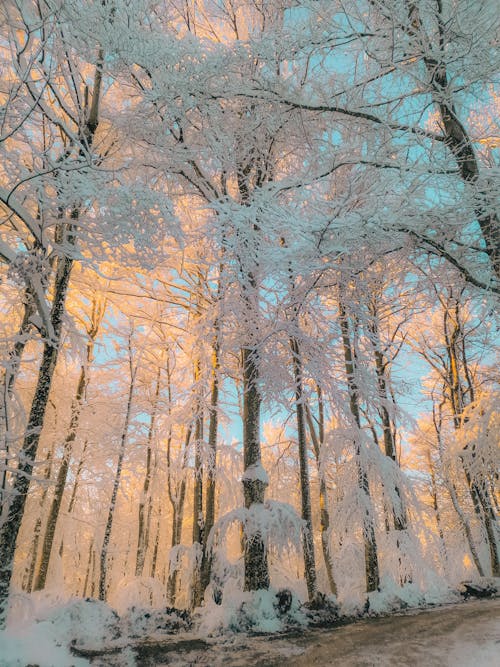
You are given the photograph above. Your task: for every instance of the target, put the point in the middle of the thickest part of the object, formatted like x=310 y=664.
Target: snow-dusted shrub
x=324 y=612
x=252 y=612
x=393 y=600
x=140 y=622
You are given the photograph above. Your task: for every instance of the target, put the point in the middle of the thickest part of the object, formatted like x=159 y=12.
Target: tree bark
x=399 y=515
x=435 y=506
x=78 y=473
x=55 y=507
x=255 y=550
x=490 y=525
x=461 y=390
x=144 y=518
x=88 y=569
x=38 y=526
x=305 y=491
x=7 y=382
x=116 y=484
x=453 y=494
x=198 y=518
x=372 y=576
x=206 y=563
x=10 y=527
x=465 y=527
x=154 y=558
x=318 y=441
x=457 y=138
x=177 y=499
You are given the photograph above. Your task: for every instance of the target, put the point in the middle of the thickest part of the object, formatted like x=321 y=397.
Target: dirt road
x=459 y=635
x=466 y=635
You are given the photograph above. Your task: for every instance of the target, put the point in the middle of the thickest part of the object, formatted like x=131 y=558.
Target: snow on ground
x=32 y=645
x=42 y=626
x=42 y=629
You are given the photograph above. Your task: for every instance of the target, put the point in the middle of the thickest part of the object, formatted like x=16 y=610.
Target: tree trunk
x=400 y=520
x=305 y=491
x=198 y=518
x=399 y=515
x=206 y=563
x=487 y=515
x=255 y=552
x=63 y=471
x=8 y=379
x=38 y=526
x=116 y=484
x=10 y=527
x=88 y=569
x=255 y=549
x=490 y=522
x=435 y=506
x=460 y=386
x=74 y=490
x=154 y=558
x=465 y=527
x=318 y=441
x=12 y=523
x=370 y=545
x=453 y=494
x=457 y=139
x=78 y=473
x=145 y=501
x=177 y=500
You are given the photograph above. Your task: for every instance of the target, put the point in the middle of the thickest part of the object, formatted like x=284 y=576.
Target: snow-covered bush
x=253 y=612
x=138 y=622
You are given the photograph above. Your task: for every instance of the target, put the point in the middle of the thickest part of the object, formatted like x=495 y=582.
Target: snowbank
x=41 y=629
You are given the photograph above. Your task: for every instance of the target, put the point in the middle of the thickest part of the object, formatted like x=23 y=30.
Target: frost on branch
x=276 y=522
x=26 y=265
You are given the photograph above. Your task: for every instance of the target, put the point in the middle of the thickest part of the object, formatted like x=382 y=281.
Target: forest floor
x=458 y=635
